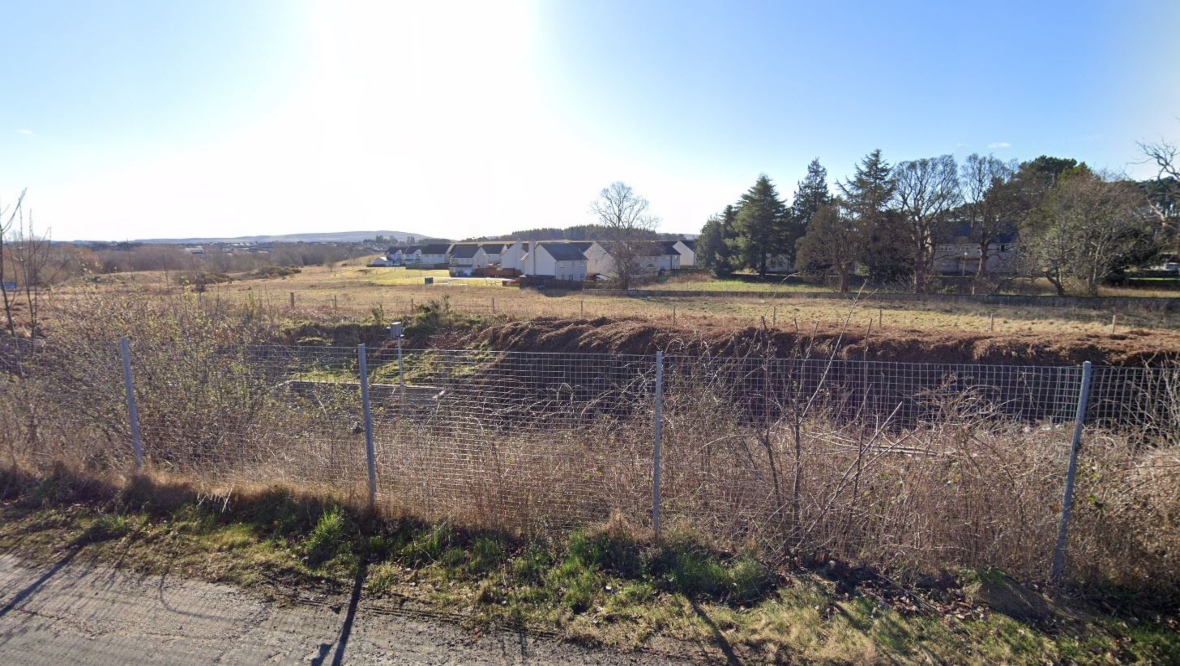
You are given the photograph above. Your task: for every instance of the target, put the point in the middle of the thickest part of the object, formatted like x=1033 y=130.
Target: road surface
x=84 y=613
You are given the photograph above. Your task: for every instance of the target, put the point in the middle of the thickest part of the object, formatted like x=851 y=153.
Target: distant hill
x=327 y=237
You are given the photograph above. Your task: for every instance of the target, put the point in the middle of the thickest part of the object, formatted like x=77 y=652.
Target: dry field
x=358 y=291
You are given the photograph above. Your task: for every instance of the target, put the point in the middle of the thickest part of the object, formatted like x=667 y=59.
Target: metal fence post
x=369 y=453
x=401 y=376
x=1070 y=476
x=132 y=412
x=659 y=423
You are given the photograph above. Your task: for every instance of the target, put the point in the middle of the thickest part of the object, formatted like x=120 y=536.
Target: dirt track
x=84 y=613
x=626 y=336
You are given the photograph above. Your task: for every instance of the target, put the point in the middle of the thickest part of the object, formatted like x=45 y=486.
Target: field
x=358 y=291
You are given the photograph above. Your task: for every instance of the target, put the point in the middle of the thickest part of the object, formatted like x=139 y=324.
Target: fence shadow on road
x=32 y=588
x=350 y=617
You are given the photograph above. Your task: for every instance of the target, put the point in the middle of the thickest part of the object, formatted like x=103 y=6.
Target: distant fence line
x=862 y=457
x=1108 y=303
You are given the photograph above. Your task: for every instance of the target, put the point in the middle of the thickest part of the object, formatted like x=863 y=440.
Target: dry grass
x=536 y=443
x=358 y=291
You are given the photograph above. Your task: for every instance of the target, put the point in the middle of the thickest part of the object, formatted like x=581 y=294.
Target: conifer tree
x=762 y=226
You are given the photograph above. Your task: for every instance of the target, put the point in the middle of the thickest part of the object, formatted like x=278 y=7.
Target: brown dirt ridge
x=636 y=336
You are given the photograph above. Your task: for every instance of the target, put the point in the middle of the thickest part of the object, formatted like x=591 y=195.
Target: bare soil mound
x=633 y=336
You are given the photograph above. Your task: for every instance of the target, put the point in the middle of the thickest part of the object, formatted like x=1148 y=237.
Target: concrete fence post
x=659 y=430
x=368 y=416
x=1058 y=569
x=132 y=412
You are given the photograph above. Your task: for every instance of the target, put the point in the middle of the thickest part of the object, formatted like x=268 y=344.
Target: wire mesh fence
x=926 y=464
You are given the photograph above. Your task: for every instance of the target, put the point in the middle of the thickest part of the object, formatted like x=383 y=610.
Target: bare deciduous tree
x=35 y=267
x=927 y=190
x=623 y=214
x=27 y=260
x=1164 y=198
x=8 y=217
x=990 y=205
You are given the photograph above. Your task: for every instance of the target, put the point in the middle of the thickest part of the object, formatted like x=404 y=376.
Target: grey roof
x=563 y=251
x=494 y=248
x=436 y=248
x=464 y=251
x=582 y=245
x=690 y=244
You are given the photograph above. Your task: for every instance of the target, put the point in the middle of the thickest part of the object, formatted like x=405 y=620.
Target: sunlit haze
x=228 y=117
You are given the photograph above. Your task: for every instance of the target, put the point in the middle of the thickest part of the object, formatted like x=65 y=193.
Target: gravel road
x=82 y=613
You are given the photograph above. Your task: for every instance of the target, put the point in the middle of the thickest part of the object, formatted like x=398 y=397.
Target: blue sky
x=233 y=117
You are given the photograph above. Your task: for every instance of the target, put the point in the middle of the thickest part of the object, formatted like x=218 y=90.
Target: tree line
x=1056 y=218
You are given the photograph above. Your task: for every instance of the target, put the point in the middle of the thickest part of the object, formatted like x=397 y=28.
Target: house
x=434 y=254
x=597 y=258
x=412 y=255
x=960 y=256
x=562 y=261
x=465 y=257
x=512 y=257
x=668 y=258
x=396 y=256
x=381 y=261
x=652 y=257
x=688 y=252
x=493 y=251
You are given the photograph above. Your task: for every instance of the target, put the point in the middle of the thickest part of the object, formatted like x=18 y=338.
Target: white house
x=688 y=252
x=512 y=257
x=667 y=256
x=559 y=260
x=465 y=257
x=396 y=255
x=654 y=257
x=434 y=254
x=412 y=255
x=493 y=251
x=598 y=259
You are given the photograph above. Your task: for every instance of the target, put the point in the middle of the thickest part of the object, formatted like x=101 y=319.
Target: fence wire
x=919 y=463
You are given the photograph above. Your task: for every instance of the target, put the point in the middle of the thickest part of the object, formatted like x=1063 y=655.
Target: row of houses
x=561 y=260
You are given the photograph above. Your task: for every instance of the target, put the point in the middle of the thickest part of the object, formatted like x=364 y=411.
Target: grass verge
x=606 y=585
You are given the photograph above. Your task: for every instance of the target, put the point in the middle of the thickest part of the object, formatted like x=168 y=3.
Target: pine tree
x=868 y=195
x=811 y=195
x=762 y=226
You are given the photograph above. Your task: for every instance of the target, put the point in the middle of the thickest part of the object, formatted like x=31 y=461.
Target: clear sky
x=154 y=118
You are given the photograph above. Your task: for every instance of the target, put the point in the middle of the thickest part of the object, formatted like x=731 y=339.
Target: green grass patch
x=604 y=584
